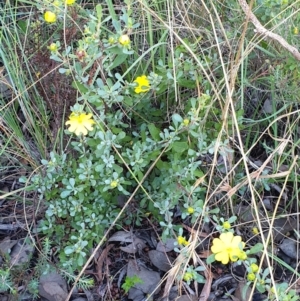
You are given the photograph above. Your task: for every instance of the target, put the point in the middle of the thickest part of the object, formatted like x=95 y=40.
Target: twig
x=11 y=227
x=266 y=33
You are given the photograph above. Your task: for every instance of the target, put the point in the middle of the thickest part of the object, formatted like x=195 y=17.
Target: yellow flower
x=143 y=84
x=254 y=267
x=190 y=210
x=188 y=276
x=182 y=241
x=80 y=123
x=186 y=122
x=251 y=277
x=227 y=248
x=295 y=30
x=255 y=231
x=52 y=47
x=124 y=40
x=113 y=184
x=70 y=2
x=50 y=17
x=226 y=225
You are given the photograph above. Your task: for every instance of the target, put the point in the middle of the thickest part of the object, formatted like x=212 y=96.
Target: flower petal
x=234 y=254
x=143 y=84
x=89 y=126
x=218 y=246
x=86 y=117
x=81 y=129
x=72 y=127
x=236 y=241
x=223 y=257
x=227 y=238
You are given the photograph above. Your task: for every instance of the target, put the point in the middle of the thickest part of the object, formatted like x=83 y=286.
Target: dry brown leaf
x=207 y=286
x=243 y=292
x=100 y=262
x=137 y=245
x=199 y=181
x=226 y=187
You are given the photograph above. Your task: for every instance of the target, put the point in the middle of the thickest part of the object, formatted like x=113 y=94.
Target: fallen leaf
x=243 y=292
x=53 y=287
x=6 y=245
x=100 y=262
x=122 y=236
x=207 y=286
x=167 y=246
x=150 y=279
x=21 y=252
x=160 y=260
x=136 y=245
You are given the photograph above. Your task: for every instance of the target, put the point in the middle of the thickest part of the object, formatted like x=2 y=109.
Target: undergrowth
x=152 y=113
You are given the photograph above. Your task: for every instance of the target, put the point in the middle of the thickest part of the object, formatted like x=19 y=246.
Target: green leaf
x=256 y=249
x=23 y=179
x=99 y=12
x=131 y=282
x=128 y=100
x=118 y=169
x=79 y=86
x=156 y=113
x=143 y=135
x=187 y=83
x=80 y=260
x=216 y=210
x=154 y=131
x=176 y=119
x=118 y=60
x=69 y=250
x=179 y=147
x=111 y=9
x=23 y=25
x=121 y=135
x=62 y=70
x=140 y=175
x=65 y=193
x=244 y=291
x=114 y=50
x=154 y=154
x=210 y=259
x=162 y=165
x=72 y=182
x=198 y=173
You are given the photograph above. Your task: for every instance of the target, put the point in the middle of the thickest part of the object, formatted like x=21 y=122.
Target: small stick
x=266 y=33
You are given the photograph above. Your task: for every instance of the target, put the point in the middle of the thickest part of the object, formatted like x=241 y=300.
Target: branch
x=266 y=33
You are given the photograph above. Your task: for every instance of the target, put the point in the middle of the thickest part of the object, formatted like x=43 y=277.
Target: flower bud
x=124 y=40
x=52 y=47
